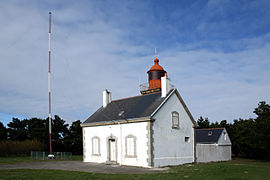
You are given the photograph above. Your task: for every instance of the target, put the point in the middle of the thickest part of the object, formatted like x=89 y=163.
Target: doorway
x=112 y=150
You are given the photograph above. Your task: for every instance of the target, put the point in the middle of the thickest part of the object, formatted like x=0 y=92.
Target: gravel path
x=83 y=167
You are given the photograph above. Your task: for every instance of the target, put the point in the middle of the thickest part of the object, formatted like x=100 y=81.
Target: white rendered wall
x=169 y=146
x=224 y=138
x=140 y=130
x=213 y=152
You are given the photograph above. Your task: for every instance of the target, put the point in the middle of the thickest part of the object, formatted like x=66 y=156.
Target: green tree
x=243 y=137
x=223 y=123
x=36 y=129
x=262 y=130
x=3 y=132
x=17 y=129
x=214 y=125
x=73 y=141
x=203 y=123
x=59 y=133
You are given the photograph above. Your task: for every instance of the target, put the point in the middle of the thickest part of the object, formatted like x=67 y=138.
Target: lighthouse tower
x=155 y=74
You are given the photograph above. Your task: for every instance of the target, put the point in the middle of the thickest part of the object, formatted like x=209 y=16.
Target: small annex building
x=212 y=145
x=149 y=130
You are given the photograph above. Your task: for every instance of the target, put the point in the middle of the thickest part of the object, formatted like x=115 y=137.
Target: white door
x=112 y=146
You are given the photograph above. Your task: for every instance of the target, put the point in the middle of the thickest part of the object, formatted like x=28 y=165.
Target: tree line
x=65 y=138
x=249 y=137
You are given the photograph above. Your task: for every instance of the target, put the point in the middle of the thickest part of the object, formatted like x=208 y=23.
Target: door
x=112 y=150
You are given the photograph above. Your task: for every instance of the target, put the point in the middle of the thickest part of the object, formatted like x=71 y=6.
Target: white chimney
x=107 y=97
x=166 y=85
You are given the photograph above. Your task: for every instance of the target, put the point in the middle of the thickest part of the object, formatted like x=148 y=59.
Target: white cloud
x=221 y=85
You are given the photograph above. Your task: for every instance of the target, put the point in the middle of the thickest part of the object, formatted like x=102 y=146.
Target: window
x=225 y=136
x=187 y=139
x=175 y=120
x=96 y=146
x=209 y=133
x=130 y=146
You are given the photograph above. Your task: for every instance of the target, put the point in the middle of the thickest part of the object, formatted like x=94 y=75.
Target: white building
x=212 y=145
x=150 y=130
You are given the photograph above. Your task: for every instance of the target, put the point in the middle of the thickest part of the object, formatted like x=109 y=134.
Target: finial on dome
x=156 y=61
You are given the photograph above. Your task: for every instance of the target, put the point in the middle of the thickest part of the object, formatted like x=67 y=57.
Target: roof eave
x=182 y=102
x=119 y=121
x=167 y=97
x=207 y=142
x=185 y=107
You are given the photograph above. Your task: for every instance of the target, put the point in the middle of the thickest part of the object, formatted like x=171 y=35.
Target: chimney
x=166 y=85
x=107 y=97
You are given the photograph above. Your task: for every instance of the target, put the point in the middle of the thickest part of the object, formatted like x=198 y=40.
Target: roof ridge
x=209 y=128
x=133 y=97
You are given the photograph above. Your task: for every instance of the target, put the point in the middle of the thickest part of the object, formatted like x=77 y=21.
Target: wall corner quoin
x=149 y=144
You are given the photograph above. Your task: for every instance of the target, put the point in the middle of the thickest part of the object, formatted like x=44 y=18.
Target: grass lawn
x=236 y=169
x=16 y=159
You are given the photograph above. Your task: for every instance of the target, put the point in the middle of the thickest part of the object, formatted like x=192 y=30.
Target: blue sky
x=217 y=54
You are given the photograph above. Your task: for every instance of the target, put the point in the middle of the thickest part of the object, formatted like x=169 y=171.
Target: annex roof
x=208 y=136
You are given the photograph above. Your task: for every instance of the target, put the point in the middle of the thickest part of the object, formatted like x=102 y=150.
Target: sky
x=217 y=54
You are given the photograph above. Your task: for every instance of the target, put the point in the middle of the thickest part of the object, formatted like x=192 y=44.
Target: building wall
x=169 y=146
x=139 y=130
x=224 y=138
x=213 y=152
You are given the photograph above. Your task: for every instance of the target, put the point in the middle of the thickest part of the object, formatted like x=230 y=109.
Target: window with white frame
x=175 y=120
x=130 y=146
x=96 y=146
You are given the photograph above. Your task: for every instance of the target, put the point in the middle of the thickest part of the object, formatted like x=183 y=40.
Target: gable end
x=181 y=101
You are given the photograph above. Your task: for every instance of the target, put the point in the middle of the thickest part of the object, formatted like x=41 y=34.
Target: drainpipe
x=194 y=144
x=120 y=132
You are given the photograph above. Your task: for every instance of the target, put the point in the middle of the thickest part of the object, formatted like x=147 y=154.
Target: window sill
x=96 y=154
x=128 y=156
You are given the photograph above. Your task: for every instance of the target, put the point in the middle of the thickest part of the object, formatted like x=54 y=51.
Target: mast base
x=51 y=156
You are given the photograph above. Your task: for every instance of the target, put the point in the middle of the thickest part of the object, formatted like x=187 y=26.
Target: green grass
x=236 y=169
x=17 y=159
x=77 y=157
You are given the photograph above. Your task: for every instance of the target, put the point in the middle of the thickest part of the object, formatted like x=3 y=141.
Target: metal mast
x=49 y=84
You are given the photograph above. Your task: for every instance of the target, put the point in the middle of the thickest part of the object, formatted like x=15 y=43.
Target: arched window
x=96 y=146
x=131 y=146
x=175 y=120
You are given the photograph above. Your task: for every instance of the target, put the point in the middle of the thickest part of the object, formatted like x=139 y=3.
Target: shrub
x=19 y=148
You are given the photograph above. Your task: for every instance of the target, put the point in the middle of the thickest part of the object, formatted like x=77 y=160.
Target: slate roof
x=133 y=107
x=203 y=135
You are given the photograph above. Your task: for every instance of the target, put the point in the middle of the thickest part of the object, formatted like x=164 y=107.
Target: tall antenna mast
x=49 y=86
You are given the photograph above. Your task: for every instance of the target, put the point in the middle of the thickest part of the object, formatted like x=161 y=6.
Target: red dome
x=156 y=66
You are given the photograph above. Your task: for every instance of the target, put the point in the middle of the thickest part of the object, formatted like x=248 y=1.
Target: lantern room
x=155 y=74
